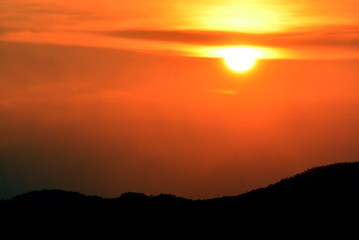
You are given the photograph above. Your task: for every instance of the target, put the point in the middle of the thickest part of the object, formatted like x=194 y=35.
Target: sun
x=240 y=59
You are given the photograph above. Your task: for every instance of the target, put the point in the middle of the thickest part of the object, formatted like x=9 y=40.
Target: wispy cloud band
x=339 y=36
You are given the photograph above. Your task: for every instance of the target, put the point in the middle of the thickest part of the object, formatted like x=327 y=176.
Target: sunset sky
x=106 y=97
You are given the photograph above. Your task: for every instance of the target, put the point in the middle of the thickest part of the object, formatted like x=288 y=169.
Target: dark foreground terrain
x=322 y=197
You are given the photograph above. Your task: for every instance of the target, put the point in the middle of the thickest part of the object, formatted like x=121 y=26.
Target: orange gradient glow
x=295 y=29
x=105 y=97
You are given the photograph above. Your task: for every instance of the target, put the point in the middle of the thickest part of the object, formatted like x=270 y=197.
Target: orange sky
x=294 y=29
x=115 y=96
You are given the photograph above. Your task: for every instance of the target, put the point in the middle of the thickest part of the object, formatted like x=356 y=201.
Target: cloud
x=333 y=36
x=225 y=91
x=6 y=29
x=31 y=8
x=30 y=16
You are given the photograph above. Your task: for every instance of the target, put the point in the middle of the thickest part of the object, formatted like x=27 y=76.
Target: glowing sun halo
x=240 y=59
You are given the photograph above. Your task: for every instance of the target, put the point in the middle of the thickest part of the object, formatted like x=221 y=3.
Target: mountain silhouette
x=334 y=182
x=321 y=195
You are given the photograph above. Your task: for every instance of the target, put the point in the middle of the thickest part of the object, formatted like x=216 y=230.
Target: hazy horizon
x=114 y=97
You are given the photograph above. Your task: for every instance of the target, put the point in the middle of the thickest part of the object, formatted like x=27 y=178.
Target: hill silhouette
x=321 y=195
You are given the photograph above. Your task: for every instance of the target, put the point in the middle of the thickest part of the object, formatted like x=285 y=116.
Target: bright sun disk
x=240 y=59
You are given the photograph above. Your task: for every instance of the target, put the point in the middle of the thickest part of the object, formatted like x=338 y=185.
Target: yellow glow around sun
x=240 y=59
x=223 y=51
x=249 y=16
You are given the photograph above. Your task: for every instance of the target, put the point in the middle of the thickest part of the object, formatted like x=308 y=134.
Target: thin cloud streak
x=334 y=37
x=225 y=91
x=304 y=29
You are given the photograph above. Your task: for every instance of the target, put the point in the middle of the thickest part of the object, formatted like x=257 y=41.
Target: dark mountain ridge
x=321 y=194
x=335 y=180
